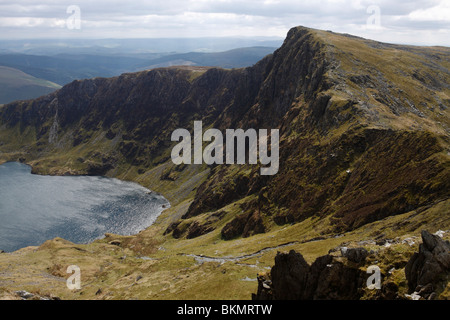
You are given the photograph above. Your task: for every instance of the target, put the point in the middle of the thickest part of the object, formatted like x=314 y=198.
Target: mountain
x=17 y=85
x=236 y=58
x=64 y=68
x=364 y=157
x=132 y=46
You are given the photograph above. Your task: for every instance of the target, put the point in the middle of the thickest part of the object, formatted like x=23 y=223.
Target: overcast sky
x=424 y=22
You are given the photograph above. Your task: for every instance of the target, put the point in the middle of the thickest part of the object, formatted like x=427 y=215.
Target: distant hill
x=125 y=47
x=65 y=68
x=18 y=85
x=236 y=58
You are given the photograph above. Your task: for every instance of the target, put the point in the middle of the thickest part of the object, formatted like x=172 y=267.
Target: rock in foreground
x=343 y=276
x=428 y=270
x=328 y=278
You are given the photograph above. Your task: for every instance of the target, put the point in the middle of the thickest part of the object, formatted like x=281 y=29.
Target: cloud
x=402 y=21
x=439 y=12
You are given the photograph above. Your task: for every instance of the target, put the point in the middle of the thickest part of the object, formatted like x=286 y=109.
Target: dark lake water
x=80 y=209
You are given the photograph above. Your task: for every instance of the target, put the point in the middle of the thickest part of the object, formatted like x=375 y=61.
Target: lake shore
x=110 y=197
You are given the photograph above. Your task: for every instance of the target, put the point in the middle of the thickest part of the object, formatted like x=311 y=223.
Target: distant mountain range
x=63 y=68
x=18 y=85
x=236 y=58
x=124 y=47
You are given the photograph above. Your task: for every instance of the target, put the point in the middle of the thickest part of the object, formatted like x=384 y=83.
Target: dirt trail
x=202 y=258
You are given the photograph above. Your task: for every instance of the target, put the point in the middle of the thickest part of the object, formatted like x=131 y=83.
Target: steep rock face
x=361 y=138
x=362 y=175
x=429 y=269
x=293 y=72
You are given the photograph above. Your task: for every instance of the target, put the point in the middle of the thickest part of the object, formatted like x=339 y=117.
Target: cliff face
x=364 y=131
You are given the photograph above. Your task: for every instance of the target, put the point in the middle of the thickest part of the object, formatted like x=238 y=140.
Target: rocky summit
x=364 y=156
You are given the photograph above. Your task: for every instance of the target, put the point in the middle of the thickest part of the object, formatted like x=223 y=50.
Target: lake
x=80 y=209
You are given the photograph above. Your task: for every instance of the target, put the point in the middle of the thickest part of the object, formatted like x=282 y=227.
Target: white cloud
x=31 y=22
x=415 y=22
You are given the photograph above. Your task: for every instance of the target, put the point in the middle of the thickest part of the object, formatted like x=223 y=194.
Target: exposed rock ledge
x=334 y=277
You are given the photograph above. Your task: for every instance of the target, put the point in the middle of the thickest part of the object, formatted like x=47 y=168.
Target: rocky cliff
x=364 y=137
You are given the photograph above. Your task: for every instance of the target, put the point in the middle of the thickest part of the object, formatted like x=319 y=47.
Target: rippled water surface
x=80 y=209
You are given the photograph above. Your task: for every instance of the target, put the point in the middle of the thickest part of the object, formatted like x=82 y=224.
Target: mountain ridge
x=361 y=142
x=298 y=81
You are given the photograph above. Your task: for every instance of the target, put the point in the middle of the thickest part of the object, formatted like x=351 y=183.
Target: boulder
x=429 y=269
x=356 y=255
x=289 y=276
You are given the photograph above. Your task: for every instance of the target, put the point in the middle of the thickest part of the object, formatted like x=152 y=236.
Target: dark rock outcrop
x=289 y=276
x=355 y=254
x=428 y=270
x=264 y=288
x=171 y=227
x=197 y=229
x=292 y=278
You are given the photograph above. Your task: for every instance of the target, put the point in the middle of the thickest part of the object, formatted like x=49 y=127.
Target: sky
x=420 y=22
